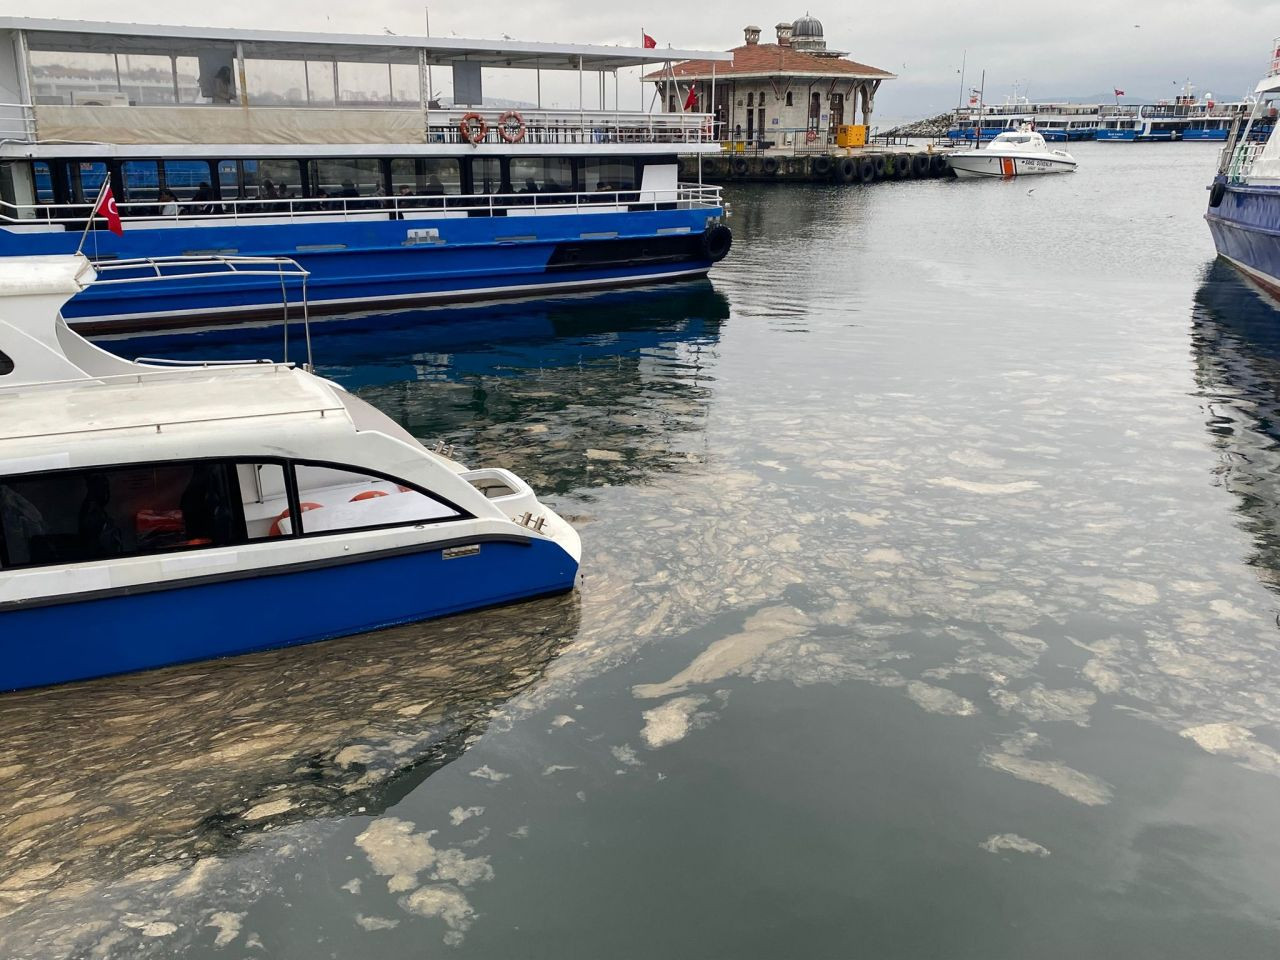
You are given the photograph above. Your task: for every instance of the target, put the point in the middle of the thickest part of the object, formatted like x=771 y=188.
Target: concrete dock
x=848 y=166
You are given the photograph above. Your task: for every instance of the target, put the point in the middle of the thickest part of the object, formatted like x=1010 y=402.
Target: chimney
x=753 y=35
x=784 y=34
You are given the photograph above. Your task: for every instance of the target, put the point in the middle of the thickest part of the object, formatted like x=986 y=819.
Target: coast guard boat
x=1244 y=198
x=1019 y=154
x=152 y=514
x=331 y=150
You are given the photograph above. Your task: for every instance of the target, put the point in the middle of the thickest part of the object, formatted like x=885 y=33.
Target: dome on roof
x=807 y=28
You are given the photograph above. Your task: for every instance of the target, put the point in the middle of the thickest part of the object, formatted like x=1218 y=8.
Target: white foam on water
x=670 y=722
x=1000 y=842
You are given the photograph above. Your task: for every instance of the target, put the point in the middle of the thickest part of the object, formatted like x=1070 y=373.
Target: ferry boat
x=1244 y=198
x=1019 y=154
x=1056 y=122
x=153 y=514
x=329 y=149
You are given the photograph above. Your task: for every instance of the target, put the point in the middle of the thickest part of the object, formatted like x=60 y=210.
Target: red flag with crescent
x=107 y=208
x=691 y=100
x=649 y=42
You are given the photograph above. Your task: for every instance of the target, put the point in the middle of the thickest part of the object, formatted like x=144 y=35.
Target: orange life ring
x=472 y=128
x=368 y=495
x=275 y=530
x=811 y=136
x=511 y=126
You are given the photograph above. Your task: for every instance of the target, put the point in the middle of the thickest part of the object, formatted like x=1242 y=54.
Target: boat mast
x=982 y=88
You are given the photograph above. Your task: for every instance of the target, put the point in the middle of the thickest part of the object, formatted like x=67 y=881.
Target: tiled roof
x=770 y=59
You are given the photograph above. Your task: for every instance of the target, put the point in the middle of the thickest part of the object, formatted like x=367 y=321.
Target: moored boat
x=1244 y=198
x=1017 y=154
x=153 y=514
x=330 y=149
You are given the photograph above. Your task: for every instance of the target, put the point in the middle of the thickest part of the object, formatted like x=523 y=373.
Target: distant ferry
x=1183 y=118
x=1244 y=198
x=329 y=150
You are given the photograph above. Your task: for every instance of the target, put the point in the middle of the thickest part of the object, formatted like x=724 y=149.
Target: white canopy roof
x=143 y=38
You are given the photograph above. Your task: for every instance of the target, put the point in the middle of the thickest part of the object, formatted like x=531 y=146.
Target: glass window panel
x=184 y=177
x=346 y=178
x=64 y=78
x=44 y=181
x=86 y=180
x=148 y=79
x=84 y=515
x=277 y=82
x=606 y=175
x=320 y=82
x=486 y=175
x=264 y=498
x=428 y=177
x=141 y=180
x=333 y=500
x=405 y=85
x=364 y=84
x=542 y=174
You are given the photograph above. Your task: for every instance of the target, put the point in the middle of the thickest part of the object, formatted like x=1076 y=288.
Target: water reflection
x=119 y=785
x=1236 y=343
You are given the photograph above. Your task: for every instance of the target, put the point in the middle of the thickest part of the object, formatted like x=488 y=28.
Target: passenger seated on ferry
x=349 y=189
x=202 y=202
x=99 y=534
x=169 y=201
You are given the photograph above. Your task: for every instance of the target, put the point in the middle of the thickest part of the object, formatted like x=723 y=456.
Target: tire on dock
x=769 y=166
x=901 y=166
x=847 y=170
x=938 y=165
x=820 y=166
x=739 y=166
x=867 y=170
x=920 y=165
x=881 y=165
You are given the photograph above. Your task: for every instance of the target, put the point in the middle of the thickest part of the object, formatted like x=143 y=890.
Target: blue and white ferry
x=1244 y=198
x=329 y=149
x=1056 y=122
x=153 y=514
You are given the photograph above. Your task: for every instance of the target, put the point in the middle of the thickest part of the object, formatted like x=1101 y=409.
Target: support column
x=240 y=76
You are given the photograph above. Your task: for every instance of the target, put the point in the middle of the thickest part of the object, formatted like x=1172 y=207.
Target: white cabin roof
x=140 y=38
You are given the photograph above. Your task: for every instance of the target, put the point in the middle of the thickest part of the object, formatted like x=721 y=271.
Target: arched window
x=751 y=99
x=789 y=103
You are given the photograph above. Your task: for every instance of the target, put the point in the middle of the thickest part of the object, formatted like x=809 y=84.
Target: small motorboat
x=1016 y=153
x=154 y=514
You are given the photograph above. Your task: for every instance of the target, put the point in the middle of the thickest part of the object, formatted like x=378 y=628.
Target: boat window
x=184 y=177
x=264 y=496
x=333 y=499
x=608 y=175
x=356 y=177
x=542 y=174
x=486 y=175
x=75 y=516
x=86 y=180
x=141 y=180
x=44 y=181
x=247 y=179
x=426 y=177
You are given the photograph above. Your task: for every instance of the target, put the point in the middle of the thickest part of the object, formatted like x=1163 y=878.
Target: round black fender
x=739 y=166
x=901 y=166
x=770 y=165
x=938 y=164
x=867 y=170
x=821 y=165
x=882 y=165
x=1216 y=193
x=847 y=170
x=716 y=241
x=920 y=165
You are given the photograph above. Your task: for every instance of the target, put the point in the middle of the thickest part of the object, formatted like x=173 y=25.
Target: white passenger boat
x=1017 y=154
x=152 y=514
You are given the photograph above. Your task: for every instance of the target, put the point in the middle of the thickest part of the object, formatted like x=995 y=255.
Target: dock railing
x=420 y=207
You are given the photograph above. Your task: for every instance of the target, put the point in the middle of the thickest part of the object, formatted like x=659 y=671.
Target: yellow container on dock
x=851 y=135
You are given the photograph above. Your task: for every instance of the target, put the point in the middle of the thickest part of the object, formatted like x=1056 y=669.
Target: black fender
x=882 y=164
x=867 y=170
x=821 y=165
x=770 y=165
x=1216 y=193
x=847 y=170
x=739 y=166
x=716 y=241
x=902 y=166
x=920 y=165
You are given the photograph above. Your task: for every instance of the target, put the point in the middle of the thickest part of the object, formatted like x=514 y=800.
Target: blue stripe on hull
x=119 y=634
x=1246 y=229
x=370 y=260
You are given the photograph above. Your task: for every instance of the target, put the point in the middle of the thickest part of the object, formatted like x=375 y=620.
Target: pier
x=859 y=166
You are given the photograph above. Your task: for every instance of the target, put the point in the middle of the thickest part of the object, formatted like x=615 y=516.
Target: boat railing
x=539 y=127
x=17 y=122
x=1237 y=160
x=408 y=207
x=1275 y=58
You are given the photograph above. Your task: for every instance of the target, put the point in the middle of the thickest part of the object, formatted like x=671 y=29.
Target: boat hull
x=140 y=629
x=1246 y=232
x=382 y=262
x=975 y=165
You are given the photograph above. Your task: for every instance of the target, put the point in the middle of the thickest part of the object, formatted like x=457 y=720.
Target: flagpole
x=106 y=180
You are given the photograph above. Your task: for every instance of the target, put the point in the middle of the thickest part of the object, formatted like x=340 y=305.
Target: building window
x=751 y=99
x=789 y=99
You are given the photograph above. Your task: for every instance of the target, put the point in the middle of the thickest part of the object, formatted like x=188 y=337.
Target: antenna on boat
x=982 y=89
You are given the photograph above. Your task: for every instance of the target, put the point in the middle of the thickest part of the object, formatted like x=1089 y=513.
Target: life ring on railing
x=511 y=126
x=472 y=128
x=368 y=495
x=811 y=136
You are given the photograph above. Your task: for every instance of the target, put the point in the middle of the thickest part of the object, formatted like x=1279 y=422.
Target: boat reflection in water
x=1236 y=342
x=125 y=795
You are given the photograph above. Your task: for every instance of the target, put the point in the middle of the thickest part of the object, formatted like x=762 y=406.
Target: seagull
x=507 y=37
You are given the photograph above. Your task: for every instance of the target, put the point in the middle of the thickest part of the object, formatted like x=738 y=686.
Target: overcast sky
x=1148 y=48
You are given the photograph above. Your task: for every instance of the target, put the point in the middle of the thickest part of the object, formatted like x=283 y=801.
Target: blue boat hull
x=1246 y=231
x=361 y=263
x=202 y=620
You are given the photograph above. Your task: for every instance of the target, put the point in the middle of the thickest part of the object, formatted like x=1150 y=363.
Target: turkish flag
x=1119 y=93
x=107 y=208
x=691 y=100
x=649 y=42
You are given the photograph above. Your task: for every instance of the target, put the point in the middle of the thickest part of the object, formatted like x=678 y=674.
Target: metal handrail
x=394 y=207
